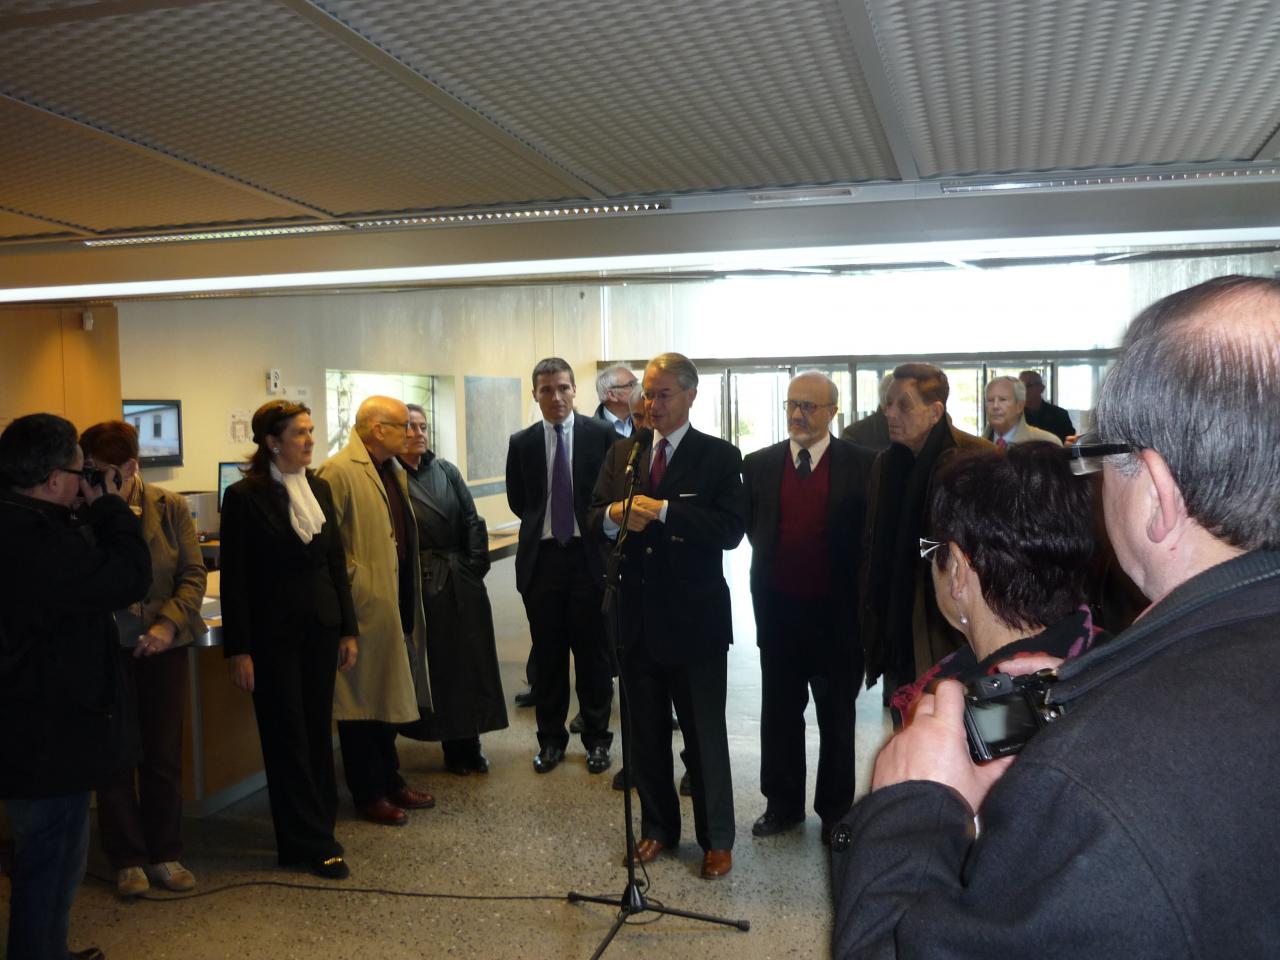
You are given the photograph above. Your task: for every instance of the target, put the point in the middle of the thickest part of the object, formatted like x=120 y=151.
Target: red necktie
x=1000 y=443
x=659 y=465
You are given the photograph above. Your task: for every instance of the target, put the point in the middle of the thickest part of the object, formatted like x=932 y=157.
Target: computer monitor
x=228 y=473
x=159 y=426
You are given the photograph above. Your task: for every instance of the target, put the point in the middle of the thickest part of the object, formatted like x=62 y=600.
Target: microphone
x=643 y=440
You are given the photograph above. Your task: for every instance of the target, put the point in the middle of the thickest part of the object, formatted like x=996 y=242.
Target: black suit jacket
x=850 y=468
x=527 y=487
x=275 y=587
x=674 y=596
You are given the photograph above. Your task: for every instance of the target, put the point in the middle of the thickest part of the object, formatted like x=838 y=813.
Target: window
x=345 y=390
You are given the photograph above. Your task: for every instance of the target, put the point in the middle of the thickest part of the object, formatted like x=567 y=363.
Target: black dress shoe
x=577 y=723
x=598 y=759
x=331 y=868
x=686 y=785
x=619 y=779
x=770 y=823
x=526 y=698
x=465 y=766
x=548 y=758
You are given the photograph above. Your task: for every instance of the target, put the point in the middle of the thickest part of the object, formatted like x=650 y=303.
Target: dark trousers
x=462 y=750
x=698 y=692
x=141 y=823
x=800 y=650
x=293 y=701
x=50 y=848
x=369 y=759
x=563 y=604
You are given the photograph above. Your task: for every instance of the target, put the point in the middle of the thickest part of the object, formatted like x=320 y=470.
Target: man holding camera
x=1141 y=821
x=64 y=720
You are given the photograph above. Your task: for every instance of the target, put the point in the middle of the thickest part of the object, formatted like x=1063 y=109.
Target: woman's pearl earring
x=964 y=621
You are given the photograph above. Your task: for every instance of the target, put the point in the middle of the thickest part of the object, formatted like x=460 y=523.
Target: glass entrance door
x=755 y=400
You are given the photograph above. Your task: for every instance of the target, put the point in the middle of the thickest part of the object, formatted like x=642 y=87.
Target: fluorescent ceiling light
x=720 y=261
x=247 y=233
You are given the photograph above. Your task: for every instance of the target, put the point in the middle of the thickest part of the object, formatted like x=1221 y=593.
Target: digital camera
x=1001 y=712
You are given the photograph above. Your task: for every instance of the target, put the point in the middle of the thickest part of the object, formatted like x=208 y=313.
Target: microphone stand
x=632 y=901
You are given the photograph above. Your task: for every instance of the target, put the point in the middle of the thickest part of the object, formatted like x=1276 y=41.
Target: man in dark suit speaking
x=807 y=499
x=551 y=469
x=674 y=607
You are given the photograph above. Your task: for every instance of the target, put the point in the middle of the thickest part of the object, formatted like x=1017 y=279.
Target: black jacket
x=1142 y=824
x=1051 y=417
x=846 y=514
x=64 y=725
x=275 y=588
x=674 y=596
x=527 y=487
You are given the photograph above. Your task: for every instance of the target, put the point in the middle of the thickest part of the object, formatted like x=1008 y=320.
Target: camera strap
x=1168 y=624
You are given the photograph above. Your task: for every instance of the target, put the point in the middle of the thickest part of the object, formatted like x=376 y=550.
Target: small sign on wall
x=239 y=427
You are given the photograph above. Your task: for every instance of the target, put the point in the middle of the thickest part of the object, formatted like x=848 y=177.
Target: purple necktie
x=561 y=492
x=659 y=465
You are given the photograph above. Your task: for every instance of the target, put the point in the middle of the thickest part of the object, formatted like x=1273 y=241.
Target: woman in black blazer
x=288 y=625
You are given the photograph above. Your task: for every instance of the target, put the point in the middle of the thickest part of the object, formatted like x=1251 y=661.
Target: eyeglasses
x=624 y=386
x=928 y=546
x=804 y=406
x=417 y=427
x=403 y=425
x=1088 y=454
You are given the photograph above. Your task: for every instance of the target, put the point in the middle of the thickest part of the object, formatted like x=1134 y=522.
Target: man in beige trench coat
x=389 y=683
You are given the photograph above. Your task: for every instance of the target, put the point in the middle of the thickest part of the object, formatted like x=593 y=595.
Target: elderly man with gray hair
x=614 y=386
x=1140 y=820
x=1006 y=398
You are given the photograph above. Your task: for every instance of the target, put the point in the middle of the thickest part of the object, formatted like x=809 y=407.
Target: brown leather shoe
x=407 y=798
x=647 y=850
x=383 y=811
x=716 y=863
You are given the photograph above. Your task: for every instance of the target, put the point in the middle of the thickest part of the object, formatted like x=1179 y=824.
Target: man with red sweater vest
x=807 y=508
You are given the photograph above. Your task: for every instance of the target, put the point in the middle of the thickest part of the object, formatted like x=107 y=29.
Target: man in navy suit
x=808 y=505
x=676 y=623
x=551 y=469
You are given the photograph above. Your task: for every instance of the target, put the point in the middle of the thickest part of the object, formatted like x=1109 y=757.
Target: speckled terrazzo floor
x=512 y=833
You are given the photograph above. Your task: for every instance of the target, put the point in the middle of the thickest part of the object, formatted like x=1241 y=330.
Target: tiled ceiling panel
x=249 y=88
x=652 y=97
x=14 y=225
x=55 y=170
x=1017 y=85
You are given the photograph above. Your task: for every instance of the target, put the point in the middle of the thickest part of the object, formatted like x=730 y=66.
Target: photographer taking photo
x=60 y=683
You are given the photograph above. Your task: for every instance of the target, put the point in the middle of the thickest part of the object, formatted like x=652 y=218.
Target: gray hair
x=417 y=408
x=33 y=447
x=885 y=383
x=605 y=377
x=1019 y=388
x=1198 y=383
x=677 y=363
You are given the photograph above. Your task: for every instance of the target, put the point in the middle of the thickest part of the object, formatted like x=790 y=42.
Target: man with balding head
x=807 y=510
x=1140 y=822
x=389 y=684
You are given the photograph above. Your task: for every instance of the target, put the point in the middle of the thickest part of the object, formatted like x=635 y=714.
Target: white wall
x=214 y=354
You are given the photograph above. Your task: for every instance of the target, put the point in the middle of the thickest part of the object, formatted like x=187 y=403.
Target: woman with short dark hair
x=288 y=626
x=1012 y=538
x=141 y=826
